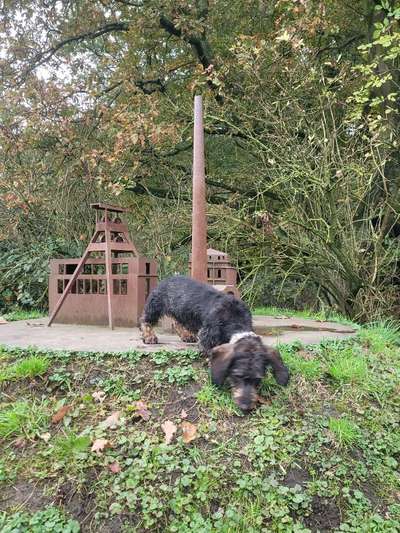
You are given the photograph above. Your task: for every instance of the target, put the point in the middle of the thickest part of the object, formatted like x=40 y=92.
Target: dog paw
x=190 y=339
x=150 y=340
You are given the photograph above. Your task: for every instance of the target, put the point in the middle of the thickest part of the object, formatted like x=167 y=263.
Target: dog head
x=244 y=364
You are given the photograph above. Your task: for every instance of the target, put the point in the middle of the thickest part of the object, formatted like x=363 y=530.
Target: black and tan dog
x=225 y=333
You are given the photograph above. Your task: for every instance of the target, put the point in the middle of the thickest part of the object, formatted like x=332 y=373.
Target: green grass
x=349 y=367
x=309 y=368
x=346 y=433
x=378 y=336
x=328 y=316
x=20 y=314
x=27 y=368
x=71 y=446
x=21 y=418
x=323 y=449
x=216 y=401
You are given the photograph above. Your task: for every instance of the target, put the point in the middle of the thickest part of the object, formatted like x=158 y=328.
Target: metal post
x=199 y=216
x=108 y=270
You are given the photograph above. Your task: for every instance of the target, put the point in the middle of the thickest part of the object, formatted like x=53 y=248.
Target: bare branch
x=46 y=55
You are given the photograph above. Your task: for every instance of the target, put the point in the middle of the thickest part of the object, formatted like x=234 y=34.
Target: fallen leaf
x=169 y=429
x=20 y=442
x=282 y=317
x=61 y=413
x=99 y=445
x=45 y=437
x=183 y=413
x=114 y=467
x=141 y=410
x=99 y=396
x=189 y=431
x=263 y=400
x=112 y=421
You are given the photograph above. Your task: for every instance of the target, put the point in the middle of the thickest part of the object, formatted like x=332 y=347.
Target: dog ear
x=221 y=359
x=279 y=370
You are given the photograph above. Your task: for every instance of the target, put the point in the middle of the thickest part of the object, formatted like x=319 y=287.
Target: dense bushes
x=24 y=271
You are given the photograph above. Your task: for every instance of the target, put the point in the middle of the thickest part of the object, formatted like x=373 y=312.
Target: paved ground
x=35 y=332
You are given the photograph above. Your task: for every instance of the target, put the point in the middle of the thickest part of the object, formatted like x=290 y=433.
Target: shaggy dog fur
x=225 y=332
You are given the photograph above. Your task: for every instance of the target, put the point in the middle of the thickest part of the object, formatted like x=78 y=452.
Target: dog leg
x=184 y=334
x=147 y=333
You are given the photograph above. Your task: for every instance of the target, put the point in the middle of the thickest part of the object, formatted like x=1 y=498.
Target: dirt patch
x=296 y=476
x=24 y=495
x=370 y=493
x=21 y=388
x=325 y=515
x=79 y=502
x=184 y=399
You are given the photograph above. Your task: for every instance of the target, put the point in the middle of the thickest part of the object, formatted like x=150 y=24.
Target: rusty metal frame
x=110 y=237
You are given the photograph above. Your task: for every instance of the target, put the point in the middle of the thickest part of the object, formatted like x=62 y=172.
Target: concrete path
x=35 y=332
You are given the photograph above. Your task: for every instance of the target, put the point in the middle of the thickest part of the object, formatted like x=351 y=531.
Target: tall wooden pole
x=199 y=216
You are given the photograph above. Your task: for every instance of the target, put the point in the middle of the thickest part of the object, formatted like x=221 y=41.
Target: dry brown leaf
x=99 y=396
x=189 y=431
x=99 y=445
x=183 y=413
x=61 y=413
x=114 y=467
x=20 y=442
x=112 y=421
x=169 y=429
x=141 y=410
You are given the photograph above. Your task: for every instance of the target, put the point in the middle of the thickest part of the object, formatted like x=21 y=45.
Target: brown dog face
x=244 y=364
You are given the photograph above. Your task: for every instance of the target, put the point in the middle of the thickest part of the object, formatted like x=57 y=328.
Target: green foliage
x=22 y=314
x=52 y=520
x=21 y=418
x=216 y=401
x=24 y=272
x=302 y=141
x=348 y=367
x=180 y=375
x=311 y=455
x=72 y=446
x=345 y=431
x=27 y=368
x=380 y=335
x=325 y=316
x=309 y=368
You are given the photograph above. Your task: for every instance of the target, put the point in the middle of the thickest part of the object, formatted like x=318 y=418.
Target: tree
x=301 y=122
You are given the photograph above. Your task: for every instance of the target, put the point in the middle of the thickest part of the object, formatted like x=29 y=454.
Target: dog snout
x=245 y=398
